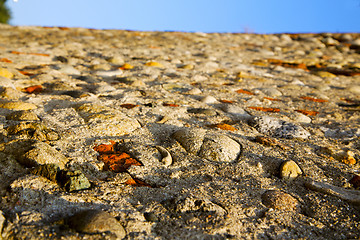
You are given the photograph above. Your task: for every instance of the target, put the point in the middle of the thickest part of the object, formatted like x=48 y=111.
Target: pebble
x=6 y=73
x=73 y=180
x=151 y=217
x=110 y=73
x=68 y=69
x=300 y=118
x=280 y=200
x=18 y=106
x=237 y=112
x=96 y=221
x=117 y=60
x=2 y=221
x=194 y=91
x=289 y=170
x=278 y=128
x=22 y=116
x=215 y=147
x=324 y=74
x=354 y=89
x=208 y=100
x=41 y=153
x=6 y=82
x=271 y=92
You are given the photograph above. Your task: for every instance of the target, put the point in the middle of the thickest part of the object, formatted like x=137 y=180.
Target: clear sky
x=257 y=16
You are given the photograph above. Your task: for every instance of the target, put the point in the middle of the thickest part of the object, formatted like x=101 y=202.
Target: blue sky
x=258 y=16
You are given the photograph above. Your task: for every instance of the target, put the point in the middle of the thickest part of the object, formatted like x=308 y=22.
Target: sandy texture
x=180 y=135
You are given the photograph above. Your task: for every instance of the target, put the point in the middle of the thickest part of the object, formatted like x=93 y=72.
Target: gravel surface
x=112 y=134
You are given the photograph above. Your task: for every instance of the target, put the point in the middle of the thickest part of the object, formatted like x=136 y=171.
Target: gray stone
x=278 y=128
x=237 y=112
x=272 y=92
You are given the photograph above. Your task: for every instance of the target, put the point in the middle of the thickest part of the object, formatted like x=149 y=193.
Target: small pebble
x=208 y=100
x=69 y=70
x=271 y=92
x=289 y=170
x=117 y=60
x=324 y=74
x=151 y=217
x=105 y=74
x=73 y=180
x=280 y=200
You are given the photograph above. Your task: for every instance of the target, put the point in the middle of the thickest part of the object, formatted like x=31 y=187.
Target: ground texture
x=109 y=134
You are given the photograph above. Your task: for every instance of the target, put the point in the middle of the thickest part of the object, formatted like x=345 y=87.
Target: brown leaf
x=118 y=162
x=36 y=54
x=223 y=126
x=33 y=89
x=244 y=92
x=226 y=101
x=105 y=148
x=272 y=99
x=170 y=105
x=307 y=112
x=5 y=60
x=137 y=183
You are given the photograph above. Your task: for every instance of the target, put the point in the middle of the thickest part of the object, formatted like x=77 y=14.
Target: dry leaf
x=33 y=89
x=307 y=112
x=244 y=92
x=265 y=109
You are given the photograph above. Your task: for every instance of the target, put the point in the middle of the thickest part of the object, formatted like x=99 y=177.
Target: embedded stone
x=289 y=170
x=96 y=221
x=73 y=180
x=278 y=128
x=211 y=146
x=280 y=200
x=18 y=105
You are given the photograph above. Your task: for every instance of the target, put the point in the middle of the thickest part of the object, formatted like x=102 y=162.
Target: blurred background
x=255 y=16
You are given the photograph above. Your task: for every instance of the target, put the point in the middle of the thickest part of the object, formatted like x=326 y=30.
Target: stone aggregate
x=116 y=134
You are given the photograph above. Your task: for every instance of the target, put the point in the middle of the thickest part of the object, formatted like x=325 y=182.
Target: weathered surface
x=190 y=135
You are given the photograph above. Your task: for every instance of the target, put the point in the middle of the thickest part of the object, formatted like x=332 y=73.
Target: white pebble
x=208 y=100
